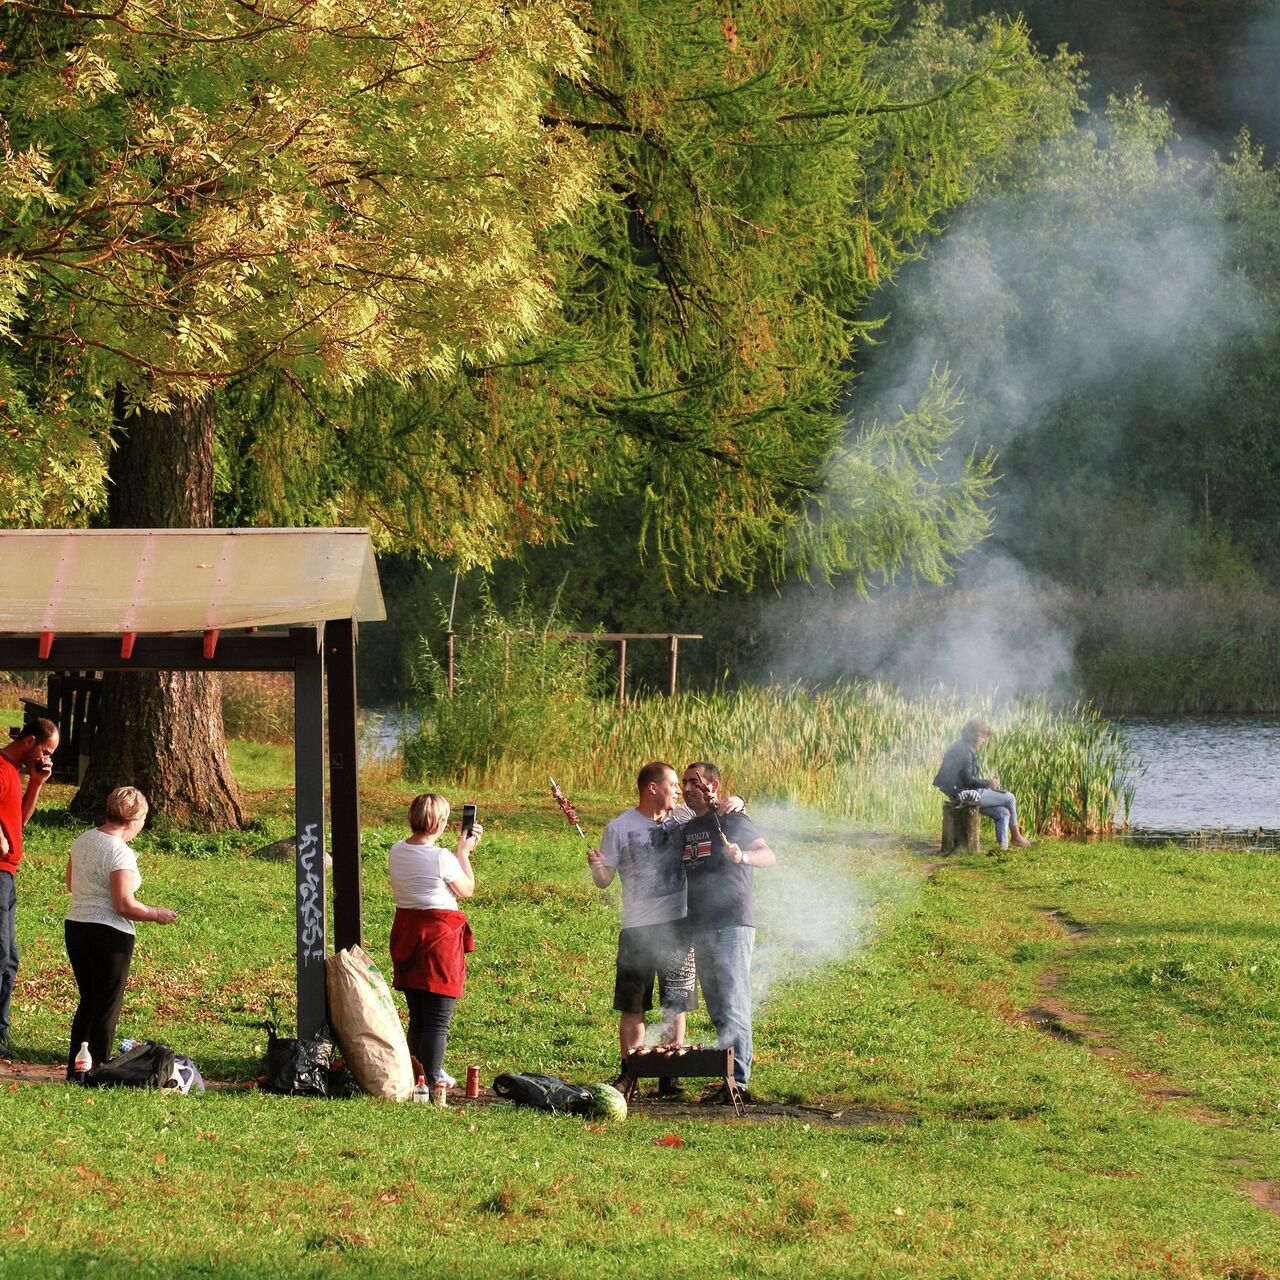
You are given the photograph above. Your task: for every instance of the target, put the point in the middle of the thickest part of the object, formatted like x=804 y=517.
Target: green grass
x=884 y=987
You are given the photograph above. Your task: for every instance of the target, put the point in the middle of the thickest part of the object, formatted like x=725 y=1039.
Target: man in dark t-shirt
x=720 y=853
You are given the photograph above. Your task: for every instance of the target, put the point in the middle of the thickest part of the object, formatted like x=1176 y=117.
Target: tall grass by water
x=865 y=751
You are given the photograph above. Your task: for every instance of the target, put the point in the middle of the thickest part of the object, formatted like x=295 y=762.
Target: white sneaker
x=445 y=1078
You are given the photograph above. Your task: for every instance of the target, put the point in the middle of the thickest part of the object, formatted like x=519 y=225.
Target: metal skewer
x=570 y=814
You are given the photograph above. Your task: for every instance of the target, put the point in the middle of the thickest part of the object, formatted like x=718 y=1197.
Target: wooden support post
x=622 y=672
x=308 y=771
x=344 y=782
x=449 y=650
x=961 y=826
x=675 y=658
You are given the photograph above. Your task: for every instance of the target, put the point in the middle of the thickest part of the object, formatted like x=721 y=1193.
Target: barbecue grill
x=664 y=1061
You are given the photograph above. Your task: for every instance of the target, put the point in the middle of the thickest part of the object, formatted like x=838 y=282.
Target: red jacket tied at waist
x=428 y=950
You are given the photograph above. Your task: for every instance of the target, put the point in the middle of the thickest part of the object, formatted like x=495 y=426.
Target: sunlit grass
x=879 y=985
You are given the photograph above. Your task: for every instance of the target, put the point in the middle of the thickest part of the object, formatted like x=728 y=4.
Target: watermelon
x=607 y=1103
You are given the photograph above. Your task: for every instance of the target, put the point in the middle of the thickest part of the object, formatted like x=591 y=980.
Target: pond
x=1208 y=777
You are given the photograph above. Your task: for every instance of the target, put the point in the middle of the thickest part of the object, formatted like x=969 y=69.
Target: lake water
x=1208 y=776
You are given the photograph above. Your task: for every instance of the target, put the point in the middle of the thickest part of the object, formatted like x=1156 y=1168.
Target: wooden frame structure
x=321 y=655
x=619 y=638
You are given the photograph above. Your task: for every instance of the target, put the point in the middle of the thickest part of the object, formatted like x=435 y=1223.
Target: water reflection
x=1212 y=781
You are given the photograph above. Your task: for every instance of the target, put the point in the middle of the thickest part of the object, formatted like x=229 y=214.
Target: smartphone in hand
x=468 y=819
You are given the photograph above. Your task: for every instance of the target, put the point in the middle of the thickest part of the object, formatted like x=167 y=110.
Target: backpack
x=544 y=1093
x=147 y=1065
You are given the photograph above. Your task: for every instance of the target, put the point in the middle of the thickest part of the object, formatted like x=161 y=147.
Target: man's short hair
x=40 y=729
x=709 y=771
x=975 y=729
x=654 y=771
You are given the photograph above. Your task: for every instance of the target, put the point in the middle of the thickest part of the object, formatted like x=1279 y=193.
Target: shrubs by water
x=1195 y=650
x=522 y=691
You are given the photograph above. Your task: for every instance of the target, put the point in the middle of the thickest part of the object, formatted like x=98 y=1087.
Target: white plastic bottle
x=420 y=1091
x=84 y=1062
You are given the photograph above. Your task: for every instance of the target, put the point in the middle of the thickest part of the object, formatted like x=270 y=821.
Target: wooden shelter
x=222 y=600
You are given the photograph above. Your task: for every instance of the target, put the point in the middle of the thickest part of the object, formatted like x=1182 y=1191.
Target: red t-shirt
x=11 y=813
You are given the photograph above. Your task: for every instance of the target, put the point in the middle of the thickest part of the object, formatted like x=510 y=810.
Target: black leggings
x=99 y=958
x=429 y=1019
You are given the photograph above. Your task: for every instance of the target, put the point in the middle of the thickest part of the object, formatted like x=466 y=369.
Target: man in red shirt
x=32 y=750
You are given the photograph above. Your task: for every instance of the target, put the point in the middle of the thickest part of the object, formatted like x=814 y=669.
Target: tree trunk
x=161 y=731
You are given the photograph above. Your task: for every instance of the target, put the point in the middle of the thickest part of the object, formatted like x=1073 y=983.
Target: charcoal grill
x=665 y=1061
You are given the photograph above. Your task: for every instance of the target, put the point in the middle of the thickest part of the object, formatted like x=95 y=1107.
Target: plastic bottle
x=83 y=1063
x=420 y=1091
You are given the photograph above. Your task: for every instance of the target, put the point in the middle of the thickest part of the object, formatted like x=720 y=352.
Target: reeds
x=865 y=751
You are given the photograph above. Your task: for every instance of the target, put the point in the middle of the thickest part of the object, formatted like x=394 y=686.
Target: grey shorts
x=654 y=950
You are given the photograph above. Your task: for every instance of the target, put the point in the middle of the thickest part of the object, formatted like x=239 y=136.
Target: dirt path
x=1056 y=1018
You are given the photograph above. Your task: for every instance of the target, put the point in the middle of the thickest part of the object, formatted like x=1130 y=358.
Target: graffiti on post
x=310 y=902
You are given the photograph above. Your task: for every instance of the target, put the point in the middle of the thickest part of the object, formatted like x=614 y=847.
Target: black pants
x=99 y=958
x=429 y=1019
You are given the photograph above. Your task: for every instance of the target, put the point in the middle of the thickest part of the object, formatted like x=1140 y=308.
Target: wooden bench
x=72 y=704
x=961 y=825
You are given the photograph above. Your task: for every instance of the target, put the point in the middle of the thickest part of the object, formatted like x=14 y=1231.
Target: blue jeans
x=8 y=947
x=724 y=969
x=1001 y=806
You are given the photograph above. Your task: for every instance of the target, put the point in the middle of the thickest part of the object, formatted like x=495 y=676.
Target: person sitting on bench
x=962 y=782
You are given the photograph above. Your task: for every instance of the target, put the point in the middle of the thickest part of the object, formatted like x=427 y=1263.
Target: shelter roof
x=150 y=581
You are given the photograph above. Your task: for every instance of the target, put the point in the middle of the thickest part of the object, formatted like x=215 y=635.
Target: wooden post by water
x=961 y=827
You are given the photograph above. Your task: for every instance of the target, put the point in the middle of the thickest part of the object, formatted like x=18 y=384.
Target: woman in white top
x=102 y=876
x=430 y=936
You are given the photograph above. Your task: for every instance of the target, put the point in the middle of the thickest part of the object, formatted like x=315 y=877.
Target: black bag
x=147 y=1065
x=545 y=1093
x=298 y=1066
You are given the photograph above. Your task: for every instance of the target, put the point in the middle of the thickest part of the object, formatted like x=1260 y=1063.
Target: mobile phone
x=468 y=819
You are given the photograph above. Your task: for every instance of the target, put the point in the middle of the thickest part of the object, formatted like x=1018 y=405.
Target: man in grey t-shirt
x=643 y=847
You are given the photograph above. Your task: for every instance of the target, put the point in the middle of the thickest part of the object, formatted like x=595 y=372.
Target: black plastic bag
x=147 y=1065
x=298 y=1066
x=545 y=1093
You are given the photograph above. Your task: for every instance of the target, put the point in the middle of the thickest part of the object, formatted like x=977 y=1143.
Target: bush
x=257 y=706
x=522 y=689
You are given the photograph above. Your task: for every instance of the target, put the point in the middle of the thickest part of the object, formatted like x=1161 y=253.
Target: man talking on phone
x=31 y=749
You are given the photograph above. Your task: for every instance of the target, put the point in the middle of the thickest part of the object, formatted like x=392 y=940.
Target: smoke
x=1106 y=274
x=818 y=906
x=1002 y=636
x=1092 y=295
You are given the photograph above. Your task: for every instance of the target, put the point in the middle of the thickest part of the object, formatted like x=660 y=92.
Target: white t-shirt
x=648 y=857
x=94 y=856
x=421 y=875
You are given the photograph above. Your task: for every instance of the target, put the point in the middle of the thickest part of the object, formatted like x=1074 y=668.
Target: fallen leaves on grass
x=669 y=1140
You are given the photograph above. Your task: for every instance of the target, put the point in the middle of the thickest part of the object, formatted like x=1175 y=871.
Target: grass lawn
x=880 y=984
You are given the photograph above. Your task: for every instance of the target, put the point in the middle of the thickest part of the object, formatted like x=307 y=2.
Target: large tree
x=333 y=189
x=332 y=223
x=761 y=176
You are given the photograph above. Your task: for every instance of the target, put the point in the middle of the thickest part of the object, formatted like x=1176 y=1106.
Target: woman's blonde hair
x=126 y=804
x=429 y=812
